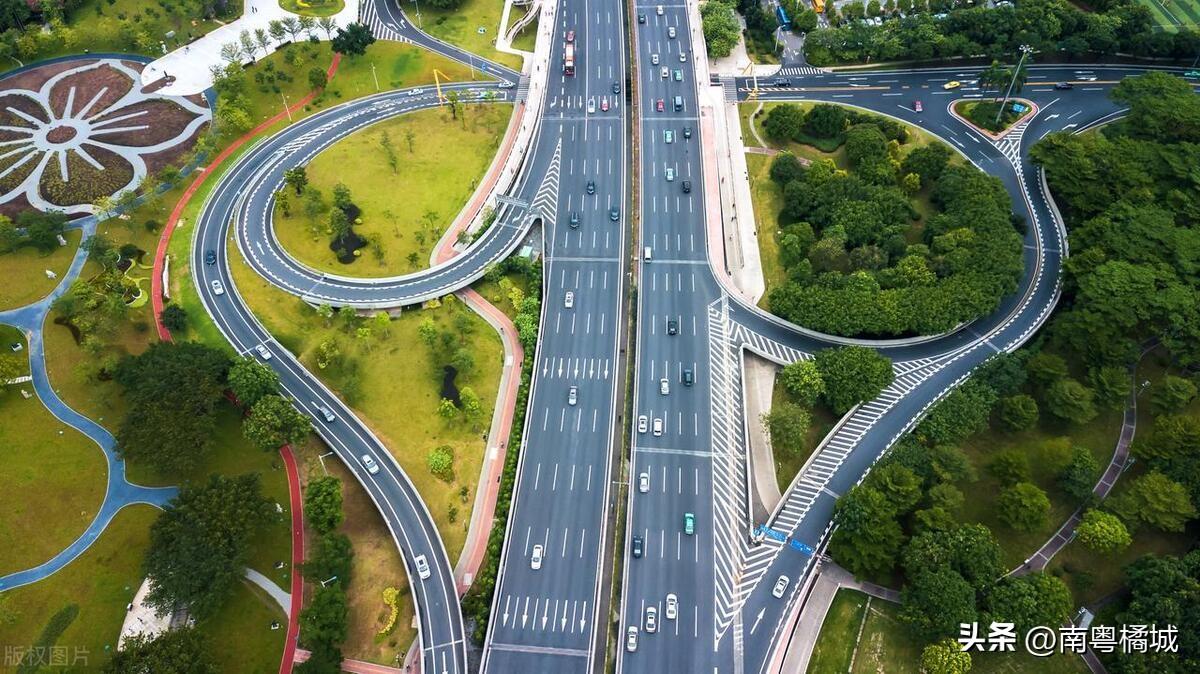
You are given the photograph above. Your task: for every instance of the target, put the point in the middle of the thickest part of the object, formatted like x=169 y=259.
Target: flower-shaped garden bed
x=75 y=131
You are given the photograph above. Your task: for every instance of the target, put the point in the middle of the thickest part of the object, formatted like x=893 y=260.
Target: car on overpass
x=369 y=464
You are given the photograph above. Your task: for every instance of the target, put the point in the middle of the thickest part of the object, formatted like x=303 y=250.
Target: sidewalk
x=191 y=65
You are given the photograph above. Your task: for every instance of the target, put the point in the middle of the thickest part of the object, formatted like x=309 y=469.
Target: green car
x=689 y=524
x=1192 y=73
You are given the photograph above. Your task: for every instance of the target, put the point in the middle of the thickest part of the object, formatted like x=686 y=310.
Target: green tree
x=296 y=178
x=1023 y=506
x=1018 y=412
x=868 y=537
x=427 y=331
x=180 y=651
x=1111 y=385
x=274 y=422
x=802 y=380
x=1172 y=394
x=898 y=484
x=934 y=603
x=1030 y=600
x=1071 y=401
x=440 y=461
x=174 y=318
x=1010 y=466
x=250 y=380
x=852 y=374
x=317 y=79
x=784 y=122
x=352 y=40
x=1045 y=368
x=1154 y=500
x=720 y=26
x=945 y=657
x=1079 y=477
x=331 y=557
x=928 y=162
x=324 y=619
x=323 y=503
x=173 y=390
x=1103 y=532
x=787 y=425
x=825 y=120
x=447 y=409
x=200 y=544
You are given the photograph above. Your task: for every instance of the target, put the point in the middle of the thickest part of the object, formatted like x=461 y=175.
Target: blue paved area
x=120 y=492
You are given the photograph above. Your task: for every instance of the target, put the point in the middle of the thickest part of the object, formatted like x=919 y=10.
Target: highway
x=554 y=618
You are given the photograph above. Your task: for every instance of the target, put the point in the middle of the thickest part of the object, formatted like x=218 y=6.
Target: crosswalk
x=800 y=71
x=522 y=89
x=369 y=16
x=1010 y=145
x=729 y=88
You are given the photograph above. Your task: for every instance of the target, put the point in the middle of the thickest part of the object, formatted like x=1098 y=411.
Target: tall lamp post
x=419 y=24
x=1025 y=51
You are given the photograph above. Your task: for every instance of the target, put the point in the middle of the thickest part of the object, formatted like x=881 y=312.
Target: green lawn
x=461 y=27
x=1172 y=15
x=240 y=636
x=25 y=272
x=316 y=8
x=377 y=566
x=406 y=210
x=526 y=40
x=398 y=373
x=886 y=646
x=835 y=645
x=768 y=201
x=492 y=292
x=52 y=484
x=983 y=114
x=101 y=582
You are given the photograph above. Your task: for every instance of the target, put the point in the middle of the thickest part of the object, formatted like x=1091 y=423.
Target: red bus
x=569 y=59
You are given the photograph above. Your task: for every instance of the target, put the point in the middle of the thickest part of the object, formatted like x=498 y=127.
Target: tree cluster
x=1047 y=25
x=1162 y=591
x=844 y=237
x=324 y=621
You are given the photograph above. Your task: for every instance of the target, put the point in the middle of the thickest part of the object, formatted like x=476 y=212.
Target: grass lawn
x=398 y=394
x=316 y=8
x=983 y=114
x=461 y=27
x=101 y=582
x=886 y=646
x=492 y=292
x=835 y=645
x=377 y=566
x=788 y=464
x=525 y=40
x=240 y=636
x=1172 y=15
x=406 y=210
x=52 y=484
x=768 y=202
x=25 y=271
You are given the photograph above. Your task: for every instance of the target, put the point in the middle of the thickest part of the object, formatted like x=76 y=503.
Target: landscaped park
x=98 y=163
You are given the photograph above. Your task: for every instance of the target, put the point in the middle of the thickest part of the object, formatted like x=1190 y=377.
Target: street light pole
x=419 y=24
x=1025 y=50
x=285 y=106
x=374 y=76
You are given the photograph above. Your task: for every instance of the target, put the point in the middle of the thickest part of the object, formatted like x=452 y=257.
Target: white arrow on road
x=525 y=613
x=758 y=620
x=1054 y=116
x=506 y=600
x=583 y=617
x=544 y=614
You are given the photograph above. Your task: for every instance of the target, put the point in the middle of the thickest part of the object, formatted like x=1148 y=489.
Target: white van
x=646 y=254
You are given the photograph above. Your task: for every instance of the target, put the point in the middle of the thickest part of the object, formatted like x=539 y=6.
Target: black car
x=687 y=132
x=1064 y=85
x=638 y=547
x=641 y=17
x=614 y=214
x=687 y=378
x=574 y=220
x=210 y=257
x=672 y=327
x=687 y=186
x=782 y=82
x=591 y=187
x=616 y=87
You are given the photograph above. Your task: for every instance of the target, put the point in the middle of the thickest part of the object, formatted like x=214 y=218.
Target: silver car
x=672 y=608
x=644 y=482
x=781 y=586
x=370 y=464
x=651 y=619
x=631 y=637
x=664 y=386
x=218 y=289
x=642 y=424
x=573 y=395
x=422 y=567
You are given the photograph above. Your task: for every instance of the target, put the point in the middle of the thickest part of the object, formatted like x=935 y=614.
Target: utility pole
x=419 y=24
x=285 y=106
x=374 y=76
x=1025 y=51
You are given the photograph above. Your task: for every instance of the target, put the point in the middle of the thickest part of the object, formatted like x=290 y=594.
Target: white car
x=218 y=289
x=422 y=567
x=591 y=106
x=671 y=32
x=659 y=10
x=670 y=175
x=263 y=351
x=535 y=561
x=781 y=586
x=631 y=636
x=654 y=59
x=326 y=413
x=642 y=424
x=573 y=395
x=658 y=427
x=569 y=300
x=416 y=92
x=665 y=72
x=644 y=482
x=370 y=464
x=664 y=386
x=672 y=609
x=683 y=57
x=651 y=619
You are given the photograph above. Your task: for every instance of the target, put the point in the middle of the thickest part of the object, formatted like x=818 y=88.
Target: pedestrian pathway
x=1120 y=459
x=281 y=597
x=120 y=492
